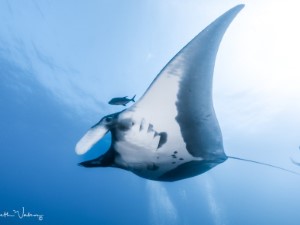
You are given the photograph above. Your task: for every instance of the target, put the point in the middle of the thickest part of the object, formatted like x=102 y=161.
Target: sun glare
x=273 y=44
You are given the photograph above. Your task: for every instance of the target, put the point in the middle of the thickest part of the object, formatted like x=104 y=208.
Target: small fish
x=121 y=101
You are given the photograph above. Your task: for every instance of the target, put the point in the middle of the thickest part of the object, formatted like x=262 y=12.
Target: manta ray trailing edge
x=172 y=132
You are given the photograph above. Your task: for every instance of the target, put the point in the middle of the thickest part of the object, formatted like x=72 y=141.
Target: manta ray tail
x=264 y=164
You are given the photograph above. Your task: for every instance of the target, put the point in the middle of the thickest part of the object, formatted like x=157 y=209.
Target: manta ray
x=171 y=132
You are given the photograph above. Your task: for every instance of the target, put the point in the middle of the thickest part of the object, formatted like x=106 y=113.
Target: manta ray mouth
x=104 y=160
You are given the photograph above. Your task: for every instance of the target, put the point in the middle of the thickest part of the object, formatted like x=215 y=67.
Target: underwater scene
x=149 y=112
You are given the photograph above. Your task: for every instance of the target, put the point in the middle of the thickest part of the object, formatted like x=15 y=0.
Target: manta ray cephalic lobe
x=172 y=132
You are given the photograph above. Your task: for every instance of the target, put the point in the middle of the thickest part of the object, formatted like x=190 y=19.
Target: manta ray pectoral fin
x=180 y=97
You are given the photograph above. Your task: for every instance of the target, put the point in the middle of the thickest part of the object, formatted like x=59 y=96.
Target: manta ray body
x=172 y=132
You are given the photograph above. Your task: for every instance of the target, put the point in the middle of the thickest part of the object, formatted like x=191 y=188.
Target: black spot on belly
x=174 y=156
x=175 y=152
x=163 y=139
x=173 y=162
x=180 y=158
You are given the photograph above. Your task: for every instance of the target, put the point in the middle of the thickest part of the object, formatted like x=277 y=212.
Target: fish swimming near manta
x=172 y=132
x=121 y=100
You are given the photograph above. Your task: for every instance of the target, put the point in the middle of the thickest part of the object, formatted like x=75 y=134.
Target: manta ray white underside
x=172 y=132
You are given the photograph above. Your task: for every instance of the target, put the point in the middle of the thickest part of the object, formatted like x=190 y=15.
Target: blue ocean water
x=60 y=63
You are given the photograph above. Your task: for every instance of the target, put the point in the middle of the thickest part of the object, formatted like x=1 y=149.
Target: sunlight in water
x=272 y=46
